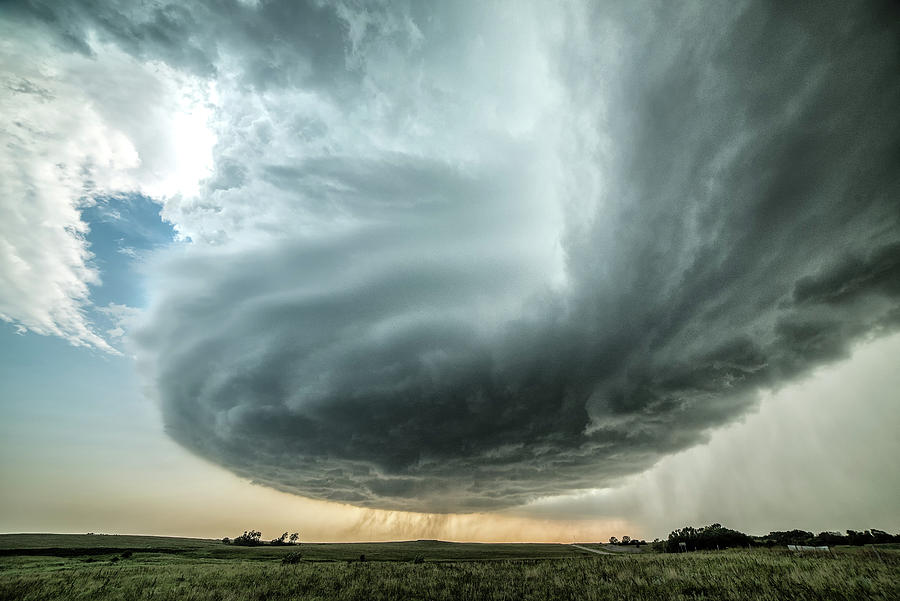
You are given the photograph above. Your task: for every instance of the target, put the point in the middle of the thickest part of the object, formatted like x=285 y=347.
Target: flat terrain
x=162 y=568
x=81 y=545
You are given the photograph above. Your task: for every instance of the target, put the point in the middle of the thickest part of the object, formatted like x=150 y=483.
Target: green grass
x=193 y=548
x=23 y=542
x=199 y=574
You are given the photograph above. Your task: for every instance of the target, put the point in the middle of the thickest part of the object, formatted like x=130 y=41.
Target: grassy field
x=206 y=570
x=74 y=545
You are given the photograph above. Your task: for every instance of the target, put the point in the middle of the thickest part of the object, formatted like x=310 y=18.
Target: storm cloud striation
x=458 y=258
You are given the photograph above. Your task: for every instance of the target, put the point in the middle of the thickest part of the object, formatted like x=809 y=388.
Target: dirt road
x=597 y=551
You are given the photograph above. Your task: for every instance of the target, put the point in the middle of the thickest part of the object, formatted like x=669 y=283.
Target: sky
x=500 y=271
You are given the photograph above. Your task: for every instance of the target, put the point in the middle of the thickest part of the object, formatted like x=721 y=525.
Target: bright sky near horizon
x=491 y=272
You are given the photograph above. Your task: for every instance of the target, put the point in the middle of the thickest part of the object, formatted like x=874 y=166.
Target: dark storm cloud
x=744 y=231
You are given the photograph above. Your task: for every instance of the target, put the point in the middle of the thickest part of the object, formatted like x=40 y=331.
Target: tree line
x=253 y=538
x=627 y=540
x=716 y=536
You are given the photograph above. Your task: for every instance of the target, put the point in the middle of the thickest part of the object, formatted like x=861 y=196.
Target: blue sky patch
x=123 y=230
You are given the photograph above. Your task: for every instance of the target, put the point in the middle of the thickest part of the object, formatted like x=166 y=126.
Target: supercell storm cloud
x=458 y=258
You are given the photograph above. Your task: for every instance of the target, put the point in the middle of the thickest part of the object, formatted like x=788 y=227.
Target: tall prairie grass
x=727 y=575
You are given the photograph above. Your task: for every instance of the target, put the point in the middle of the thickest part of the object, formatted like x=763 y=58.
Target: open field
x=73 y=545
x=198 y=570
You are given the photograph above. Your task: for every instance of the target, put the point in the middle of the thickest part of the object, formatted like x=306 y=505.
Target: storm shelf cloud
x=464 y=256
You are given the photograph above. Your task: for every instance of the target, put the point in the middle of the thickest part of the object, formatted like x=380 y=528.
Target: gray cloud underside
x=746 y=231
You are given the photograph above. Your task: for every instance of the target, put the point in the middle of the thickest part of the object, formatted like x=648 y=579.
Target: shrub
x=126 y=554
x=281 y=540
x=292 y=557
x=248 y=539
x=714 y=536
x=418 y=559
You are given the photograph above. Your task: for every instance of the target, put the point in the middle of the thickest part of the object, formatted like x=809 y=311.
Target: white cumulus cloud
x=75 y=127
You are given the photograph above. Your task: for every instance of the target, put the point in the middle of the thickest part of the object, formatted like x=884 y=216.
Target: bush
x=714 y=536
x=126 y=555
x=292 y=557
x=248 y=539
x=418 y=559
x=281 y=540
